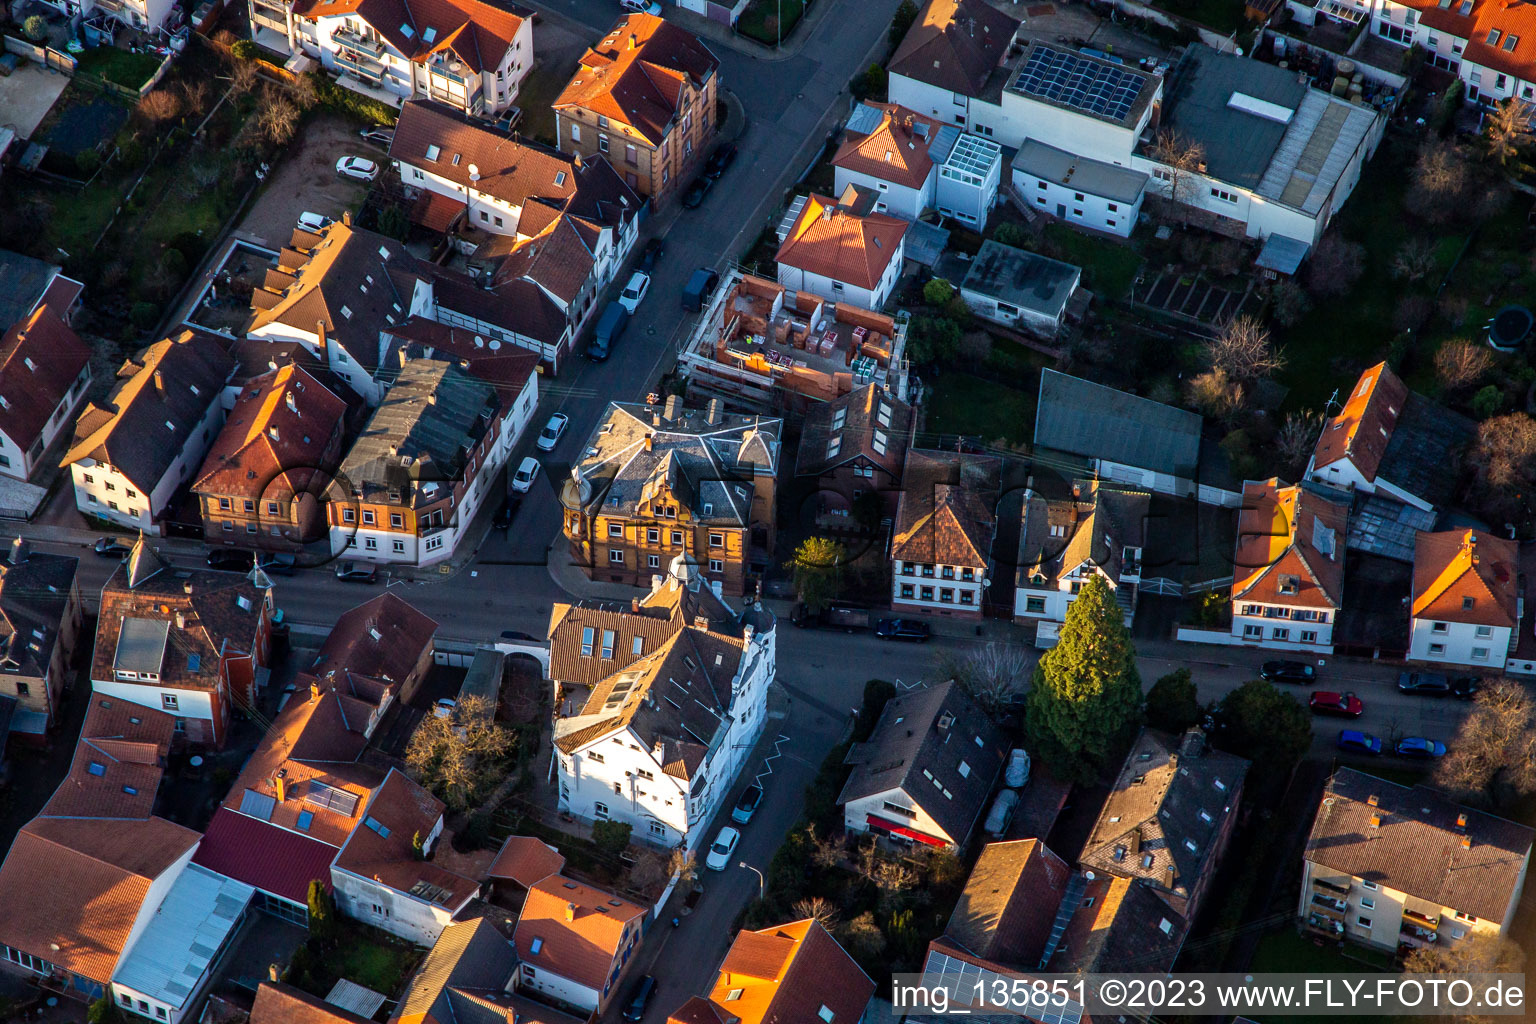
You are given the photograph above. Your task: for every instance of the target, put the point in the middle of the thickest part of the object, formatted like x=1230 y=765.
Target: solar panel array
x=1073 y=80
x=961 y=978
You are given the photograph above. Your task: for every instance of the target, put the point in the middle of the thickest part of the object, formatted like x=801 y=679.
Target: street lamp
x=762 y=883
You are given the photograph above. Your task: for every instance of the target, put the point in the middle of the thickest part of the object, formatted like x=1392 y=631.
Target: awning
x=906 y=833
x=1281 y=254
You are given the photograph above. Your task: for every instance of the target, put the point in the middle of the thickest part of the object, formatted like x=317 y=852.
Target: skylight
x=97 y=768
x=433 y=152
x=559 y=178
x=378 y=826
x=538 y=944
x=305 y=817
x=407 y=31
x=429 y=34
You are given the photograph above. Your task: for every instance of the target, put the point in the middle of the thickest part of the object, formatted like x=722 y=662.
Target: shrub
x=144 y=315
x=1009 y=233
x=35 y=28
x=611 y=837
x=87 y=161
x=1487 y=402
x=938 y=291
x=174 y=262
x=394 y=222
x=336 y=99
x=245 y=49
x=934 y=339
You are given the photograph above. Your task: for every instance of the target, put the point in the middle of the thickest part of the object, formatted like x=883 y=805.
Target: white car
x=358 y=168
x=634 y=291
x=526 y=474
x=642 y=6
x=720 y=850
x=444 y=707
x=315 y=222
x=550 y=435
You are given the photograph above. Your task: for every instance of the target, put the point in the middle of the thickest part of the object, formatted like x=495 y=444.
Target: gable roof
x=867 y=423
x=1466 y=576
x=35 y=592
x=382 y=639
x=161 y=397
x=275 y=440
x=264 y=856
x=788 y=974
x=583 y=948
x=448 y=142
x=525 y=860
x=1078 y=416
x=1361 y=430
x=909 y=750
x=635 y=74
x=28 y=284
x=832 y=239
x=954 y=45
x=1510 y=51
x=1418 y=846
x=277 y=1003
x=477 y=33
x=1093 y=527
x=471 y=956
x=118 y=763
x=902 y=146
x=1009 y=902
x=40 y=358
x=381 y=846
x=1289 y=546
x=947 y=512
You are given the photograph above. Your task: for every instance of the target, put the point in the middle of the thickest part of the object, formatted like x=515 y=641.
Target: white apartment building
x=1466 y=604
x=1288 y=571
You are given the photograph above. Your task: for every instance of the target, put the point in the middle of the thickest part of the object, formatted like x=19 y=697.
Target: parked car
x=838 y=615
x=651 y=254
x=1016 y=772
x=443 y=707
x=378 y=136
x=231 y=559
x=315 y=222
x=1465 y=687
x=694 y=197
x=111 y=547
x=902 y=629
x=1347 y=705
x=1424 y=684
x=641 y=7
x=357 y=168
x=747 y=805
x=357 y=572
x=280 y=564
x=699 y=288
x=1420 y=747
x=1289 y=672
x=610 y=328
x=527 y=473
x=1001 y=814
x=550 y=435
x=507 y=512
x=634 y=292
x=640 y=995
x=1357 y=742
x=719 y=857
x=720 y=159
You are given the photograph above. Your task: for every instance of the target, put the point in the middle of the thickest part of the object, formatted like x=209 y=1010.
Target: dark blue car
x=1357 y=742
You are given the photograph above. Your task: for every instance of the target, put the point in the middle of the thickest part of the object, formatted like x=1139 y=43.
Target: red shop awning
x=906 y=833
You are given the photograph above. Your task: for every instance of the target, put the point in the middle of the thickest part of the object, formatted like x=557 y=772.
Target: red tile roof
x=831 y=240
x=435 y=211
x=39 y=359
x=947 y=510
x=1517 y=20
x=788 y=974
x=1361 y=430
x=281 y=1004
x=117 y=766
x=954 y=45
x=386 y=854
x=384 y=639
x=525 y=860
x=262 y=855
x=582 y=949
x=1290 y=547
x=477 y=33
x=896 y=151
x=276 y=440
x=1466 y=576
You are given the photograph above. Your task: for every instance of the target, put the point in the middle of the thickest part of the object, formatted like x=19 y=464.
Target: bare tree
x=1504 y=454
x=1335 y=266
x=1289 y=302
x=1244 y=351
x=1461 y=363
x=682 y=864
x=826 y=851
x=1508 y=130
x=1494 y=751
x=160 y=106
x=818 y=909
x=303 y=91
x=1411 y=312
x=862 y=937
x=893 y=877
x=1216 y=394
x=1438 y=183
x=1297 y=438
x=459 y=757
x=196 y=95
x=1413 y=260
x=1478 y=953
x=244 y=76
x=990 y=673
x=1182 y=161
x=277 y=117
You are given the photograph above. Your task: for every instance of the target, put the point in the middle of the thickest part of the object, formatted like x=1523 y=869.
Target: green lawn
x=1286 y=952
x=965 y=404
x=1108 y=267
x=761 y=19
x=130 y=70
x=370 y=958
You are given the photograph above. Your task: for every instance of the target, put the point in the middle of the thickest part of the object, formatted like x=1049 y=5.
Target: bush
x=611 y=837
x=338 y=100
x=35 y=28
x=144 y=315
x=174 y=262
x=1487 y=402
x=938 y=291
x=1172 y=704
x=1009 y=233
x=103 y=1010
x=87 y=162
x=934 y=339
x=245 y=49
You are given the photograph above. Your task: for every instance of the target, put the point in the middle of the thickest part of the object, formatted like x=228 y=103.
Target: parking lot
x=26 y=96
x=307 y=181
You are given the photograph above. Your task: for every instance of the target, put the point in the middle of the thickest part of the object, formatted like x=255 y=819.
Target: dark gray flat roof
x=1021 y=278
x=141 y=645
x=1094 y=177
x=1084 y=418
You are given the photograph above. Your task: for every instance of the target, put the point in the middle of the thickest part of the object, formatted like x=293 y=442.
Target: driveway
x=27 y=96
x=307 y=181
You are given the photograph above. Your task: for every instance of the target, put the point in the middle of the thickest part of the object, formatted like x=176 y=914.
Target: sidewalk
x=722 y=35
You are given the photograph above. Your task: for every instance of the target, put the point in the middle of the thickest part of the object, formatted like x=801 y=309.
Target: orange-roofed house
x=946 y=521
x=574 y=941
x=644 y=97
x=1489 y=44
x=44 y=371
x=792 y=973
x=1465 y=607
x=262 y=484
x=842 y=249
x=892 y=150
x=1288 y=571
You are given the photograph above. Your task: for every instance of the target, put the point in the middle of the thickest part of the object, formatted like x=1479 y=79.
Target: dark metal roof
x=1084 y=418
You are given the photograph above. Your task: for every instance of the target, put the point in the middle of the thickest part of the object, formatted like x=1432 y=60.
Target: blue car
x=1357 y=742
x=1420 y=747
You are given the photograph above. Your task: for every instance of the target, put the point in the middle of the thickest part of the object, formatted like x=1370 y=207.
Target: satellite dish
x=495 y=345
x=474 y=173
x=479 y=342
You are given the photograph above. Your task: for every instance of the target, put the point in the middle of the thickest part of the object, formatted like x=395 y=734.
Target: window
x=965 y=770
x=1370 y=885
x=927 y=593
x=397 y=520
x=608 y=643
x=948 y=572
x=1437 y=648
x=1309 y=636
x=717 y=540
x=637 y=646
x=653 y=561
x=825 y=1013
x=371 y=543
x=111 y=486
x=947 y=595
x=602 y=143
x=169 y=701
x=1034 y=606
x=615 y=530
x=587 y=635
x=966 y=597
x=658 y=829
x=716 y=565
x=368 y=517
x=1366 y=903
x=615 y=556
x=1363 y=921
x=677 y=535
x=271 y=508
x=1223 y=195
x=653 y=536
x=1439 y=627
x=906 y=590
x=399 y=547
x=1280 y=633
x=575 y=133
x=1253 y=632
x=1484 y=632
x=349 y=515
x=1479 y=654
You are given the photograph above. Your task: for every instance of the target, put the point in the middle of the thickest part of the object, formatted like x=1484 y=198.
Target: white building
x=1020 y=289
x=148 y=15
x=1466 y=599
x=574 y=942
x=675 y=697
x=134 y=450
x=466 y=53
x=44 y=371
x=895 y=152
x=969 y=179
x=841 y=249
x=941 y=543
x=1288 y=571
x=1078 y=189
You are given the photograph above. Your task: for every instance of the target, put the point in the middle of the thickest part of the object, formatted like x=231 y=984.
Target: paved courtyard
x=27 y=95
x=307 y=181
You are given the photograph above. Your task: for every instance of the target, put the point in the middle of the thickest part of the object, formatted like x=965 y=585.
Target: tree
x=1493 y=756
x=245 y=49
x=1438 y=183
x=102 y=1010
x=1086 y=693
x=462 y=756
x=1413 y=260
x=938 y=291
x=159 y=106
x=611 y=837
x=322 y=912
x=877 y=694
x=1504 y=460
x=817 y=570
x=818 y=908
x=1216 y=394
x=681 y=863
x=1289 y=302
x=144 y=314
x=1244 y=351
x=826 y=851
x=35 y=28
x=302 y=90
x=1010 y=233
x=1173 y=704
x=1487 y=402
x=1508 y=130
x=244 y=76
x=1182 y=159
x=863 y=938
x=933 y=339
x=1266 y=725
x=1478 y=953
x=1461 y=363
x=906 y=16
x=277 y=117
x=990 y=673
x=1297 y=437
x=874 y=82
x=1335 y=266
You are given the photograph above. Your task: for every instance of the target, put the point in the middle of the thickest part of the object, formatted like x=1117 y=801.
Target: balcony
x=1333 y=888
x=111 y=6
x=1421 y=920
x=263 y=17
x=1326 y=925
x=351 y=40
x=363 y=70
x=1329 y=905
x=1417 y=935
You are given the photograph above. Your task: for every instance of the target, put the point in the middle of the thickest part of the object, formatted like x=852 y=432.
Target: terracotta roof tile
x=1361 y=430
x=35 y=595
x=866 y=423
x=40 y=359
x=954 y=45
x=583 y=948
x=277 y=1003
x=947 y=510
x=265 y=856
x=477 y=33
x=1289 y=546
x=1518 y=20
x=383 y=639
x=896 y=151
x=833 y=240
x=402 y=810
x=1009 y=902
x=525 y=860
x=118 y=763
x=787 y=974
x=276 y=440
x=1466 y=576
x=509 y=168
x=468 y=955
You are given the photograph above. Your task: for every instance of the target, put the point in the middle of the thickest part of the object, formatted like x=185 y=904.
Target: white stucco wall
x=1251 y=625
x=1458 y=643
x=1097 y=212
x=895 y=199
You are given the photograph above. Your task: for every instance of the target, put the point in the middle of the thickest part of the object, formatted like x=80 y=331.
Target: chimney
x=570 y=912
x=633 y=41
x=272 y=432
x=281 y=785
x=1375 y=821
x=1134 y=840
x=346 y=217
x=181 y=620
x=1466 y=842
x=324 y=342
x=314 y=691
x=293 y=406
x=160 y=383
x=1373 y=800
x=714 y=413
x=650 y=441
x=701 y=622
x=634 y=605
x=674 y=407
x=1461 y=822
x=1168 y=877
x=18 y=550
x=273 y=974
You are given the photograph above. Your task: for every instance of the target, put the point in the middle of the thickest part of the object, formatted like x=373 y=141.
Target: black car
x=694 y=197
x=650 y=255
x=1424 y=684
x=507 y=512
x=231 y=559
x=1465 y=687
x=747 y=805
x=1289 y=672
x=719 y=160
x=512 y=634
x=280 y=564
x=640 y=998
x=378 y=136
x=902 y=629
x=107 y=547
x=357 y=572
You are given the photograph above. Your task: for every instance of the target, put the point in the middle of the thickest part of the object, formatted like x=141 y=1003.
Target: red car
x=1345 y=705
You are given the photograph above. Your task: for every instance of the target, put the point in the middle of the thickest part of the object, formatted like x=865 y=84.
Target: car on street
x=639 y=998
x=1356 y=742
x=719 y=857
x=747 y=805
x=1465 y=687
x=280 y=564
x=902 y=629
x=110 y=547
x=651 y=254
x=316 y=222
x=507 y=512
x=550 y=435
x=378 y=136
x=1420 y=747
x=1324 y=702
x=694 y=197
x=1289 y=672
x=634 y=291
x=357 y=572
x=1424 y=684
x=699 y=287
x=357 y=168
x=720 y=159
x=231 y=559
x=527 y=473
x=443 y=707
x=641 y=7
